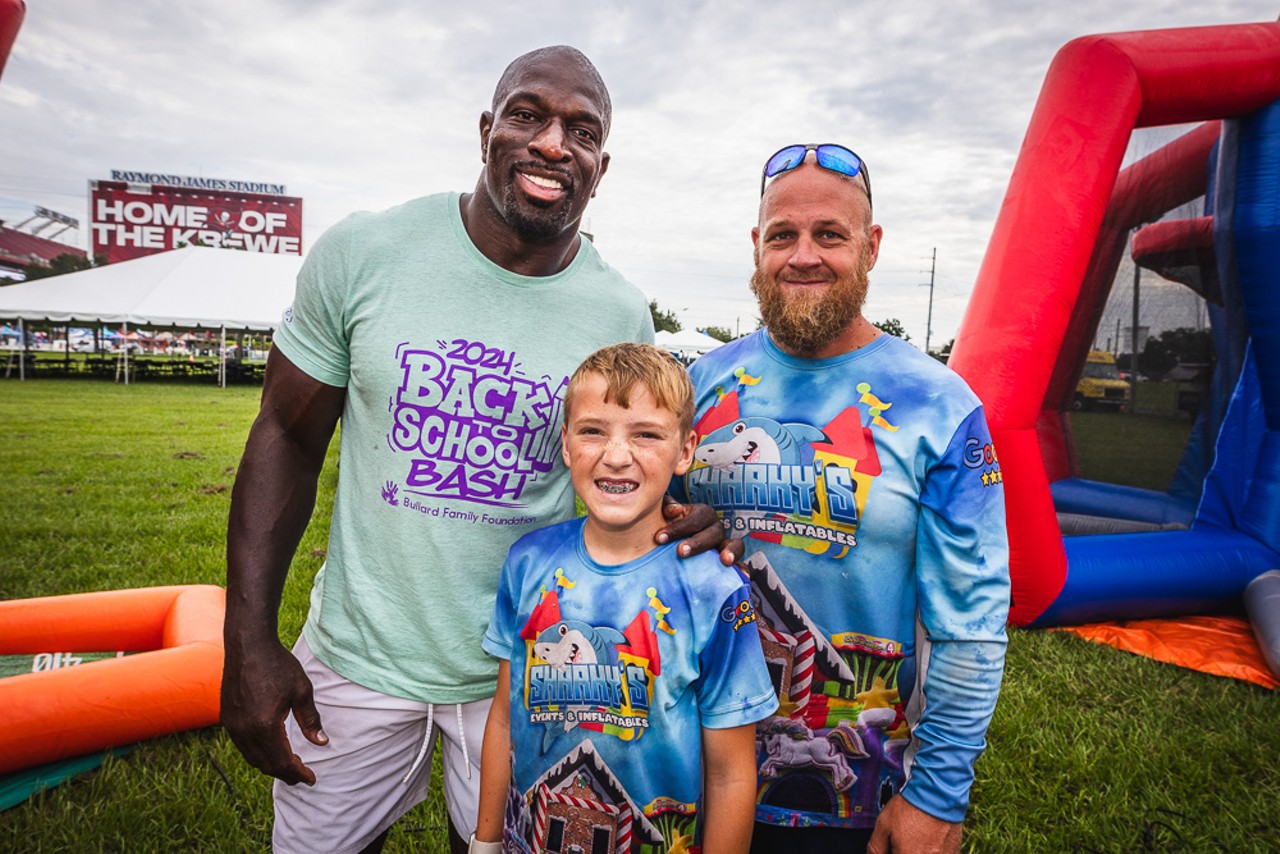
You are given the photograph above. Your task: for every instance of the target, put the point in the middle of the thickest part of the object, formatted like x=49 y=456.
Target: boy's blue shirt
x=870 y=498
x=615 y=671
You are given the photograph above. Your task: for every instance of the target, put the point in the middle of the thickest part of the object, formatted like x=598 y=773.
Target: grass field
x=1091 y=750
x=1132 y=449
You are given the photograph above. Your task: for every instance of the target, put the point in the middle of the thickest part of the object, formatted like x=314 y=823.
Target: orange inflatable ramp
x=171 y=685
x=1222 y=646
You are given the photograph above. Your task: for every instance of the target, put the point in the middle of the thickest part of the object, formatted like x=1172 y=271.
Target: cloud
x=361 y=105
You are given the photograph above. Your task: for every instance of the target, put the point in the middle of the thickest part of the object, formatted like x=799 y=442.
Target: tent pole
x=222 y=364
x=126 y=352
x=22 y=359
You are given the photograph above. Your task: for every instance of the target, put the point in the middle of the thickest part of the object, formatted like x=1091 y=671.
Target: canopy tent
x=198 y=287
x=686 y=342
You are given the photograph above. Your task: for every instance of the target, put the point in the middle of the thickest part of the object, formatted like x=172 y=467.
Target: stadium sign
x=192 y=183
x=130 y=219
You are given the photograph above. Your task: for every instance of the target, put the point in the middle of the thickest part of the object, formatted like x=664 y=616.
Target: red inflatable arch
x=11 y=12
x=1025 y=316
x=1160 y=182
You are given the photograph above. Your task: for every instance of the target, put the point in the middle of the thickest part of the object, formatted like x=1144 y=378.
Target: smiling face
x=814 y=247
x=543 y=143
x=621 y=460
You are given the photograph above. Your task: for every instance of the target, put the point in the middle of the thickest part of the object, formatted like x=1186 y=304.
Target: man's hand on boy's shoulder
x=698 y=525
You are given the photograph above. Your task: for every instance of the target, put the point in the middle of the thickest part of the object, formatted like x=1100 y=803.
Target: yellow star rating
x=991 y=477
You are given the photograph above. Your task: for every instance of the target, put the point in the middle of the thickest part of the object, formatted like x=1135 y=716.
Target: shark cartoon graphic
x=757 y=440
x=575 y=642
x=569 y=643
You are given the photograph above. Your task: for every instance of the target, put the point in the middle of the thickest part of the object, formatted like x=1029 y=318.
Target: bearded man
x=862 y=474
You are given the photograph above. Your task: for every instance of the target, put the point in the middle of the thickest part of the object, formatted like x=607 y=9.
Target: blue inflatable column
x=1257 y=255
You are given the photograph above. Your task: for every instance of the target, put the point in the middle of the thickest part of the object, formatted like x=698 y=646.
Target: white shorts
x=376 y=766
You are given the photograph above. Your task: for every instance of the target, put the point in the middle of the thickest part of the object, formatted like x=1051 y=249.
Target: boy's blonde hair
x=623 y=366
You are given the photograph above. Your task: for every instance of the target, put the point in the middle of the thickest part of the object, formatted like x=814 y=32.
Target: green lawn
x=1091 y=750
x=1131 y=449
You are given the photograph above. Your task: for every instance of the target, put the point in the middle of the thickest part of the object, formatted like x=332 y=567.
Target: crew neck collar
x=804 y=364
x=615 y=568
x=580 y=258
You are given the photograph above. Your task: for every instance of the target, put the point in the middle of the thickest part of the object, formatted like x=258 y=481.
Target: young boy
x=630 y=680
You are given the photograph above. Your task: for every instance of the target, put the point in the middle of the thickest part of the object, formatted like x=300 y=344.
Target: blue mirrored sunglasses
x=837 y=158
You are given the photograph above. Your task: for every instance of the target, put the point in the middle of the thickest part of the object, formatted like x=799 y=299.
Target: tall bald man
x=442 y=333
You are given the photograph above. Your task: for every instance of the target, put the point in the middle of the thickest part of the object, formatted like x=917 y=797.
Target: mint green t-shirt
x=450 y=445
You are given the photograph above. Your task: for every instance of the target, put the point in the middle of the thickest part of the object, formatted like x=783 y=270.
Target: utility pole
x=1133 y=351
x=928 y=325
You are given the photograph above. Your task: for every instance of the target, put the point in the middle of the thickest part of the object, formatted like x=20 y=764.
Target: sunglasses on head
x=837 y=158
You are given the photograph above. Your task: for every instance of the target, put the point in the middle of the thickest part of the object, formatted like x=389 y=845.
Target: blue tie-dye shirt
x=615 y=672
x=871 y=501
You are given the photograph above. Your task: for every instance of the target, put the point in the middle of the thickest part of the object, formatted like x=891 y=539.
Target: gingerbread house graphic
x=839 y=729
x=580 y=807
x=795 y=649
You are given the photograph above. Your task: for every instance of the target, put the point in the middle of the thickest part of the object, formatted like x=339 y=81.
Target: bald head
x=563 y=57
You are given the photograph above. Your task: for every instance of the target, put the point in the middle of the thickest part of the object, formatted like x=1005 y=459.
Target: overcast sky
x=361 y=105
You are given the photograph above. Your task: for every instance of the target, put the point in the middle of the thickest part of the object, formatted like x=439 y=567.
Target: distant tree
x=1181 y=346
x=663 y=319
x=894 y=327
x=720 y=333
x=64 y=263
x=944 y=354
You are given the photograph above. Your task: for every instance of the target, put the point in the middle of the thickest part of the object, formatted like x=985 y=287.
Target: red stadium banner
x=129 y=220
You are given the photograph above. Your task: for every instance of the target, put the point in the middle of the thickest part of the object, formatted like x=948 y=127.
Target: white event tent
x=686 y=343
x=197 y=287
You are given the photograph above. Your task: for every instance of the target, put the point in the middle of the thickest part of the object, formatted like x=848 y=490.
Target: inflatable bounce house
x=56 y=716
x=61 y=708
x=1083 y=551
